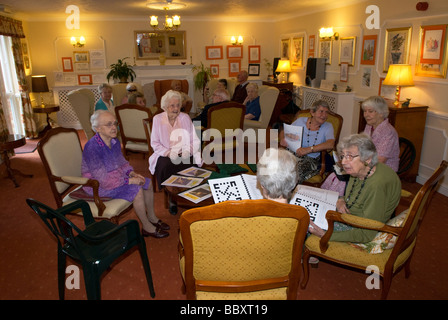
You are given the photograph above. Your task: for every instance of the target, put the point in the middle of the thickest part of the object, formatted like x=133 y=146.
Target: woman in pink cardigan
x=174 y=141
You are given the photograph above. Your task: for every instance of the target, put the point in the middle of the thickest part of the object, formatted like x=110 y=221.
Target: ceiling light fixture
x=171 y=23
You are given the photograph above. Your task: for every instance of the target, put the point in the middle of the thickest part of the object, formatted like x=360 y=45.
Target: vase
x=395 y=57
x=162 y=59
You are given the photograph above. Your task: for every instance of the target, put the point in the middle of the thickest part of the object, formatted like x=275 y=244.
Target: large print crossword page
x=317 y=202
x=234 y=188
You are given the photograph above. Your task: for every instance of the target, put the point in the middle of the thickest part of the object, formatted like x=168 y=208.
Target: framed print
x=214 y=68
x=84 y=79
x=285 y=44
x=254 y=69
x=426 y=69
x=67 y=64
x=312 y=43
x=325 y=49
x=234 y=51
x=297 y=52
x=81 y=56
x=234 y=67
x=368 y=49
x=432 y=43
x=254 y=54
x=213 y=52
x=388 y=92
x=344 y=72
x=347 y=48
x=366 y=77
x=396 y=48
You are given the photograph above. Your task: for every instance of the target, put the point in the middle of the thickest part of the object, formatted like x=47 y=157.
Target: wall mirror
x=150 y=44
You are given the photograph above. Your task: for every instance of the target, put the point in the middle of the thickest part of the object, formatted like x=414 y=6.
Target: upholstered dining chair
x=222 y=117
x=393 y=246
x=61 y=154
x=95 y=247
x=130 y=121
x=336 y=120
x=246 y=249
x=162 y=86
x=83 y=103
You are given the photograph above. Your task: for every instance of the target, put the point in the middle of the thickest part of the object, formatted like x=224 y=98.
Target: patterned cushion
x=383 y=240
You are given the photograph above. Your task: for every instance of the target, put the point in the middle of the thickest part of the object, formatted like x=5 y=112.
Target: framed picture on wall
x=213 y=52
x=368 y=53
x=396 y=49
x=254 y=54
x=234 y=67
x=347 y=48
x=297 y=52
x=81 y=56
x=388 y=92
x=67 y=64
x=254 y=69
x=434 y=50
x=214 y=68
x=325 y=49
x=234 y=51
x=84 y=79
x=285 y=45
x=344 y=72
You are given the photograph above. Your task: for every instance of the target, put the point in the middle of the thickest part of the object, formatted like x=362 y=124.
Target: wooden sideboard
x=410 y=124
x=282 y=99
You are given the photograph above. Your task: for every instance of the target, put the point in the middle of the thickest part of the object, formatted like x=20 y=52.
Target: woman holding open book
x=318 y=135
x=373 y=190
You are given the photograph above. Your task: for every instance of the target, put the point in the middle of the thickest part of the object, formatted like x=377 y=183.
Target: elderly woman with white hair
x=103 y=160
x=105 y=102
x=373 y=190
x=174 y=140
x=277 y=173
x=252 y=102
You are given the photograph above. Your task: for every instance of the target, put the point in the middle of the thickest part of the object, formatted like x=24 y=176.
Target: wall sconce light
x=235 y=41
x=78 y=43
x=328 y=33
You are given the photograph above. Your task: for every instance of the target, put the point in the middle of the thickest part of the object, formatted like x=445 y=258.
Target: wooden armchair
x=83 y=103
x=246 y=249
x=162 y=86
x=359 y=256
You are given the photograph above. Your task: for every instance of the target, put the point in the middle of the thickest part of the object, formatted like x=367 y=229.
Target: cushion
x=383 y=240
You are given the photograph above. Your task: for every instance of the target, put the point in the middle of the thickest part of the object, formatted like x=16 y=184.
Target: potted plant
x=121 y=71
x=201 y=78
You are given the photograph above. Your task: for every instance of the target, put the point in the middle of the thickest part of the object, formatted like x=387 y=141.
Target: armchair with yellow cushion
x=398 y=239
x=246 y=249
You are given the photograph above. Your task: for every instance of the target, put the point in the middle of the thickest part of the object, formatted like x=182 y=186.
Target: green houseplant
x=202 y=77
x=121 y=71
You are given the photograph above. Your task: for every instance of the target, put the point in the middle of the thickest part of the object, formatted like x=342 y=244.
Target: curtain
x=14 y=29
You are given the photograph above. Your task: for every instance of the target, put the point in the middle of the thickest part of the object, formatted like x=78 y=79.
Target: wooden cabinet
x=282 y=99
x=410 y=124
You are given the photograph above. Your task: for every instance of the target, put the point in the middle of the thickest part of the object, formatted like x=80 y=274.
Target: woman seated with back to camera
x=383 y=134
x=373 y=190
x=277 y=174
x=318 y=135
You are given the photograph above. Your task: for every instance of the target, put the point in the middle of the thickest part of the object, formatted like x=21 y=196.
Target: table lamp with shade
x=283 y=67
x=39 y=84
x=399 y=75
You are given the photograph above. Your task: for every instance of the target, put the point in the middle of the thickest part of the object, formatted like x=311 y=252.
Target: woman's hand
x=135 y=178
x=341 y=206
x=303 y=151
x=314 y=229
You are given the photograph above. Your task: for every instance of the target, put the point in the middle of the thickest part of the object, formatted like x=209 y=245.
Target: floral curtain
x=14 y=29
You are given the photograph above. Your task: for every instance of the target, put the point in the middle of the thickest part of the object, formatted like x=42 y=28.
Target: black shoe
x=173 y=209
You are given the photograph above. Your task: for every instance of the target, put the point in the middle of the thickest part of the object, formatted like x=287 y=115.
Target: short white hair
x=168 y=96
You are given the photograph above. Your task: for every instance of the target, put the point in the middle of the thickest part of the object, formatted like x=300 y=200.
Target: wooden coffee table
x=10 y=143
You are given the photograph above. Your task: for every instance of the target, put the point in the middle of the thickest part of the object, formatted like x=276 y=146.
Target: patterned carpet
x=28 y=252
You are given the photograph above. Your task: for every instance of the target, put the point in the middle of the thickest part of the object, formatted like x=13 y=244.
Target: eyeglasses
x=349 y=157
x=110 y=124
x=132 y=90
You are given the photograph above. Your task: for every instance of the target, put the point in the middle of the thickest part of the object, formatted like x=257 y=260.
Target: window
x=9 y=88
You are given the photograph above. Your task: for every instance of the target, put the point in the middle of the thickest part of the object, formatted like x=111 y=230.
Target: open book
x=315 y=200
x=240 y=187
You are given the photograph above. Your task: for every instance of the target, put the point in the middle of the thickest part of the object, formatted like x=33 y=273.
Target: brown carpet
x=29 y=267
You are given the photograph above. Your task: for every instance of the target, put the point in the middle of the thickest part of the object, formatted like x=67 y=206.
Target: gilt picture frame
x=347 y=50
x=397 y=46
x=325 y=50
x=423 y=67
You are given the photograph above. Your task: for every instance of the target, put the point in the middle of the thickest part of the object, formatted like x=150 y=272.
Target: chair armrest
x=354 y=221
x=252 y=123
x=78 y=204
x=75 y=180
x=130 y=226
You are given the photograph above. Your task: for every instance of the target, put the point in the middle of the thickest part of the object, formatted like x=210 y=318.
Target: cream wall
x=348 y=21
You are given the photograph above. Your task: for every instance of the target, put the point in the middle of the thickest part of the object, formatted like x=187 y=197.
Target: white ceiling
x=238 y=10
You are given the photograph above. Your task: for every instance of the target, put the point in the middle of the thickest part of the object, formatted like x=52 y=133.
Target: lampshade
x=283 y=66
x=39 y=84
x=399 y=75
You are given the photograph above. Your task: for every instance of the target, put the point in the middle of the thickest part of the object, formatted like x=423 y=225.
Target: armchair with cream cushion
x=83 y=103
x=231 y=84
x=268 y=98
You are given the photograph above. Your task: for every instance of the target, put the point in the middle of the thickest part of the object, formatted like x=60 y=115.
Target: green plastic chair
x=95 y=248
